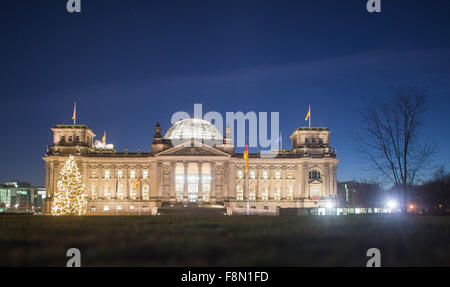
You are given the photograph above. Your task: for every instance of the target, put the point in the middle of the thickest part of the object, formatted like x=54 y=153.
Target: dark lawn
x=224 y=241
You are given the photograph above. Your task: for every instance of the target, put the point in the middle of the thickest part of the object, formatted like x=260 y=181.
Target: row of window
x=313 y=141
x=132 y=174
x=63 y=139
x=264 y=193
x=118 y=208
x=313 y=174
x=107 y=192
x=265 y=174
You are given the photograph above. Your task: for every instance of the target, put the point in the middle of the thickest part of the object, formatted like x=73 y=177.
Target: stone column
x=200 y=185
x=126 y=175
x=172 y=181
x=160 y=173
x=213 y=183
x=226 y=179
x=185 y=186
x=283 y=182
x=334 y=181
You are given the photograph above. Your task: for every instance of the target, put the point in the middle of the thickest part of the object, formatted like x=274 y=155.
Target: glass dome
x=197 y=129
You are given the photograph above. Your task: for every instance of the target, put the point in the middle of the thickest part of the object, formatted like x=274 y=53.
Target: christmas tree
x=70 y=196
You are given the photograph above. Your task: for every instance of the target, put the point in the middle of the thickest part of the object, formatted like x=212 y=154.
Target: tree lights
x=69 y=197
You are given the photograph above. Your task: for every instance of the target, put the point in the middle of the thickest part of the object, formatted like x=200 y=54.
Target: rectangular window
x=239 y=193
x=277 y=194
x=290 y=192
x=119 y=174
x=265 y=174
x=132 y=173
x=107 y=175
x=265 y=193
x=106 y=208
x=145 y=174
x=240 y=174
x=277 y=174
x=252 y=174
x=119 y=207
x=92 y=207
x=94 y=174
x=132 y=193
x=131 y=207
x=252 y=193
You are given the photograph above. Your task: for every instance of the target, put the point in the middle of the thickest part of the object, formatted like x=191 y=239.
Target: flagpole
x=75 y=113
x=248 y=193
x=309 y=118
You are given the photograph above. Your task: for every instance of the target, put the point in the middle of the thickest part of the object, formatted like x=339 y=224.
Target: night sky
x=129 y=64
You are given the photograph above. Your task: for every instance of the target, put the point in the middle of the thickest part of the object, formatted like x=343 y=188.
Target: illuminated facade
x=194 y=165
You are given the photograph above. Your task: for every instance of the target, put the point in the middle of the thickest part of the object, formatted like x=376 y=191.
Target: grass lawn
x=224 y=241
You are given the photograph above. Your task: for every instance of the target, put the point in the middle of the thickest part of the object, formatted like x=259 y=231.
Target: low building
x=21 y=197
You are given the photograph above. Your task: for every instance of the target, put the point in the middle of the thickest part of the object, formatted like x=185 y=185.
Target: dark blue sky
x=131 y=63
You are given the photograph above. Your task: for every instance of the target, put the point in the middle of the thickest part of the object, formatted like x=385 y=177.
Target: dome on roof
x=197 y=129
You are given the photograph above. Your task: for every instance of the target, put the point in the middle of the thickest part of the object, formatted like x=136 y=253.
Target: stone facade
x=195 y=173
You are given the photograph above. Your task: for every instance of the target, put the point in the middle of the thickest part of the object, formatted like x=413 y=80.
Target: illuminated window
x=290 y=192
x=314 y=193
x=277 y=194
x=132 y=173
x=131 y=207
x=145 y=173
x=206 y=182
x=132 y=193
x=120 y=194
x=179 y=182
x=94 y=174
x=94 y=191
x=289 y=176
x=106 y=208
x=252 y=174
x=314 y=174
x=107 y=175
x=277 y=174
x=106 y=192
x=265 y=193
x=119 y=174
x=265 y=174
x=119 y=207
x=239 y=193
x=146 y=192
x=240 y=174
x=252 y=193
x=93 y=208
x=70 y=139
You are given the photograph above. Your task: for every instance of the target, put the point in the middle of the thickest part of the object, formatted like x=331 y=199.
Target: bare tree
x=438 y=190
x=390 y=138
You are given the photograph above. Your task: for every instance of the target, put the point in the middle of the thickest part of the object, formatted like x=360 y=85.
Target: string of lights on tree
x=70 y=196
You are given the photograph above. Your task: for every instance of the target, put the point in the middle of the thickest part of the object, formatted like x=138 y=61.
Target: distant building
x=194 y=165
x=21 y=197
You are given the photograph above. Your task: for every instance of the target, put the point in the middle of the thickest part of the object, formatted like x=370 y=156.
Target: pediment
x=315 y=181
x=194 y=148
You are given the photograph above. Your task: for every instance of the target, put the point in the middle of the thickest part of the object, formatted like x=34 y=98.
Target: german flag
x=246 y=157
x=308 y=114
x=138 y=181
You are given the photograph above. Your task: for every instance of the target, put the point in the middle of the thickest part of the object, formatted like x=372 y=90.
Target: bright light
x=392 y=204
x=329 y=204
x=411 y=206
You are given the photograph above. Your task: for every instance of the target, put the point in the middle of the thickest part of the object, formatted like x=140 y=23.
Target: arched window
x=314 y=174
